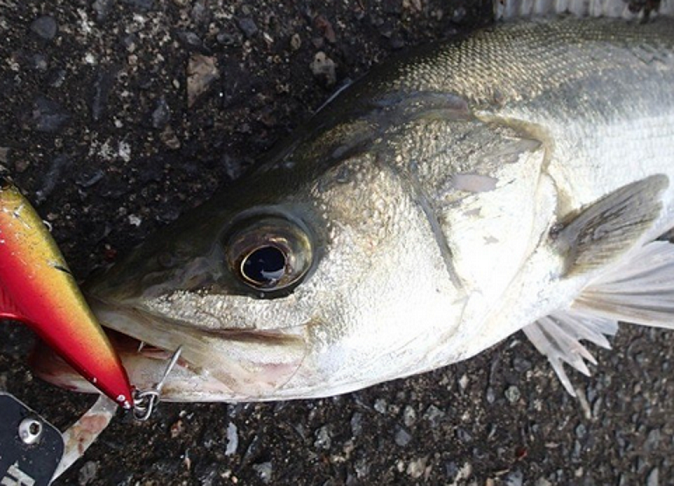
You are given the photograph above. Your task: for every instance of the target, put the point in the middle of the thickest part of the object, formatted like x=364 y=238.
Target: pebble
x=459 y=14
x=200 y=12
x=325 y=27
x=434 y=415
x=169 y=138
x=409 y=416
x=295 y=42
x=380 y=405
x=87 y=473
x=38 y=62
x=232 y=439
x=45 y=27
x=206 y=474
x=512 y=394
x=323 y=439
x=514 y=478
x=190 y=39
x=102 y=9
x=463 y=435
x=161 y=114
x=451 y=469
x=56 y=77
x=87 y=179
x=362 y=467
x=48 y=116
x=264 y=470
x=324 y=68
x=357 y=424
x=463 y=382
x=417 y=467
x=142 y=5
x=402 y=437
x=653 y=478
x=201 y=72
x=652 y=440
x=414 y=5
x=178 y=426
x=247 y=26
x=521 y=365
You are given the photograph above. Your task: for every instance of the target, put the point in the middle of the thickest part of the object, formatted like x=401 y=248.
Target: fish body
x=503 y=181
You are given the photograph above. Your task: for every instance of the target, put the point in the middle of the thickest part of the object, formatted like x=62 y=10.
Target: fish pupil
x=265 y=265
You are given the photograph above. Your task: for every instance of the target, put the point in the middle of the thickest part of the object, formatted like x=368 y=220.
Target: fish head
x=295 y=284
x=331 y=268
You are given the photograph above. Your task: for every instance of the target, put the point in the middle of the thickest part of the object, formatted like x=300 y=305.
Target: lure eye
x=269 y=253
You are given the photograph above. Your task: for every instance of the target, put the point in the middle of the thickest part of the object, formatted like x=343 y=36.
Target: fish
x=515 y=179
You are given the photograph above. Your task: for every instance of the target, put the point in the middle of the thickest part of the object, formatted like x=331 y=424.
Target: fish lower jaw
x=227 y=365
x=145 y=366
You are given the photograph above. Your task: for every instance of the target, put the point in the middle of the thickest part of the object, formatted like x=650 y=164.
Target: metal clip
x=145 y=401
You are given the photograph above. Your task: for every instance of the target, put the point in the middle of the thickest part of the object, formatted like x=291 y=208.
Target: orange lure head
x=37 y=289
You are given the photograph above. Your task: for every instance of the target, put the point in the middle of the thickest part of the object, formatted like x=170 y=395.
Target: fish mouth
x=214 y=365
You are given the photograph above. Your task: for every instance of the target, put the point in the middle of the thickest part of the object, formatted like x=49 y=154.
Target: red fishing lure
x=37 y=289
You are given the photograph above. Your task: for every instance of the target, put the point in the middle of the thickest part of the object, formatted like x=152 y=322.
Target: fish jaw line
x=146 y=342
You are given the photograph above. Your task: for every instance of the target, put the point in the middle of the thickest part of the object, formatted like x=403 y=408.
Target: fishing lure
x=37 y=288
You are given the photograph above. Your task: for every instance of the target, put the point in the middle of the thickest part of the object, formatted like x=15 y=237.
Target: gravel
x=232 y=439
x=102 y=127
x=45 y=27
x=47 y=115
x=402 y=437
x=87 y=473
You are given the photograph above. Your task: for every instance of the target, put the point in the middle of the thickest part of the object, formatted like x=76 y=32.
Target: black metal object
x=30 y=447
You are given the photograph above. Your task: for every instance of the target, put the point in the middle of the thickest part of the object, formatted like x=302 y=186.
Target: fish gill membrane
x=516 y=179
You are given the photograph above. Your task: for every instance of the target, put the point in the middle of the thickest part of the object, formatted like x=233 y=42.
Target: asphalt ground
x=118 y=115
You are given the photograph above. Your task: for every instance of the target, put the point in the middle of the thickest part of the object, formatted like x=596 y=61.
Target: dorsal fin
x=626 y=9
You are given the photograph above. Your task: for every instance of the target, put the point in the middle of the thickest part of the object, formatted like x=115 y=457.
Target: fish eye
x=269 y=253
x=264 y=265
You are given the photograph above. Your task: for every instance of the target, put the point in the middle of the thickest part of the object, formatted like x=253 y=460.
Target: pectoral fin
x=639 y=290
x=630 y=281
x=603 y=233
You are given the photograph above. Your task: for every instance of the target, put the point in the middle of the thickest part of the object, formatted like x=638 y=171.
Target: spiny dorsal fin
x=639 y=290
x=607 y=230
x=626 y=9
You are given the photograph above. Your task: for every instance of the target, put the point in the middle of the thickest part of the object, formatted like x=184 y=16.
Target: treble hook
x=145 y=401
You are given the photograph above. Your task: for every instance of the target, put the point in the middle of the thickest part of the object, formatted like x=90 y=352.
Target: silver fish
x=512 y=180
